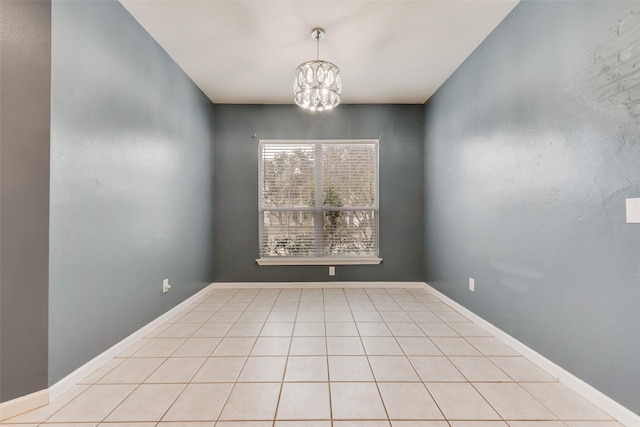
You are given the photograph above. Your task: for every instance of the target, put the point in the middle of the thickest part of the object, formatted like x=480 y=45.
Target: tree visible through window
x=318 y=198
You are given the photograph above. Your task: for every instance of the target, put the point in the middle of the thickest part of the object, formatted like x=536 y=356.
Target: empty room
x=319 y=213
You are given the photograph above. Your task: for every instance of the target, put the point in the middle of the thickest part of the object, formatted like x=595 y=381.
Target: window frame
x=318 y=260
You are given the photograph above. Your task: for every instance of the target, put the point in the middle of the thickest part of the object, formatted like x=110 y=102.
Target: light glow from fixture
x=317 y=84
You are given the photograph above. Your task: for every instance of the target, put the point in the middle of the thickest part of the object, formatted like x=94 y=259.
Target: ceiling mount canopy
x=317 y=84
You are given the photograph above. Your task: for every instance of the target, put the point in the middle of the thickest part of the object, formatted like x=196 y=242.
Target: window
x=318 y=202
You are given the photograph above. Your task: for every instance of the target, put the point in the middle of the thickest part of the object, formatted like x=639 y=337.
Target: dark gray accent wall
x=25 y=93
x=131 y=182
x=236 y=186
x=531 y=149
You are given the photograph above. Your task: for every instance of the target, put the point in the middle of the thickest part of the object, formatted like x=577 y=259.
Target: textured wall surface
x=131 y=182
x=25 y=66
x=236 y=186
x=532 y=147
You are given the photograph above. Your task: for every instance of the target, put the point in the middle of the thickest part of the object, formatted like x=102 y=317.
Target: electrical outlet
x=472 y=284
x=332 y=271
x=165 y=286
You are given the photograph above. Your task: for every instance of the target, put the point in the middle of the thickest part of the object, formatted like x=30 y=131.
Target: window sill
x=319 y=261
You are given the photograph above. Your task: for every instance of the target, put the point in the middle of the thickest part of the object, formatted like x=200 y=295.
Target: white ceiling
x=245 y=52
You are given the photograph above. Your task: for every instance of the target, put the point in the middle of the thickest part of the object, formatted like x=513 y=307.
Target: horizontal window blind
x=318 y=198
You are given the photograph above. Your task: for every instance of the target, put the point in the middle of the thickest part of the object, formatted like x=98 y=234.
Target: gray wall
x=131 y=182
x=236 y=186
x=531 y=148
x=25 y=65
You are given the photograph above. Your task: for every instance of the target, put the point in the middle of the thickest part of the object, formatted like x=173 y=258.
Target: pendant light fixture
x=317 y=84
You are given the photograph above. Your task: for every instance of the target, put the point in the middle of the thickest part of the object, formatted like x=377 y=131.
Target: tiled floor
x=318 y=358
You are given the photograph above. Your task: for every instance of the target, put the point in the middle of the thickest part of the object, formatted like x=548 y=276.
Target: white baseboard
x=315 y=285
x=22 y=404
x=85 y=370
x=602 y=401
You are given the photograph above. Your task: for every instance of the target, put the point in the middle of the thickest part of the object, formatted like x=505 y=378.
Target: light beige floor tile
x=343 y=315
x=211 y=307
x=259 y=307
x=277 y=329
x=306 y=368
x=195 y=317
x=213 y=330
x=412 y=306
x=418 y=346
x=308 y=346
x=132 y=371
x=537 y=424
x=234 y=306
x=432 y=329
x=271 y=346
x=234 y=347
x=302 y=424
x=176 y=370
x=423 y=316
x=399 y=423
x=513 y=402
x=436 y=369
x=148 y=402
x=344 y=346
x=300 y=401
x=478 y=424
x=367 y=316
x=455 y=346
x=102 y=371
x=263 y=369
x=350 y=368
x=110 y=424
x=253 y=317
x=160 y=347
x=341 y=329
x=405 y=329
x=479 y=369
x=451 y=316
x=381 y=346
x=461 y=402
x=243 y=424
x=441 y=309
x=197 y=347
x=199 y=402
x=252 y=401
x=310 y=307
x=368 y=405
x=373 y=329
x=395 y=316
x=310 y=316
x=490 y=346
x=74 y=425
x=522 y=370
x=220 y=370
x=282 y=316
x=392 y=368
x=179 y=330
x=309 y=329
x=408 y=401
x=245 y=329
x=225 y=317
x=362 y=424
x=170 y=424
x=93 y=404
x=594 y=424
x=564 y=402
x=467 y=329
